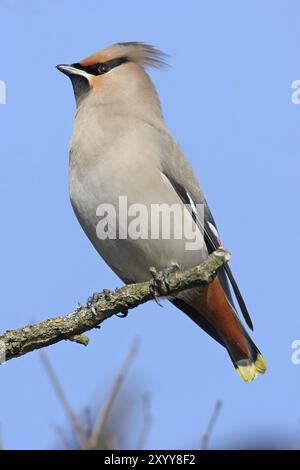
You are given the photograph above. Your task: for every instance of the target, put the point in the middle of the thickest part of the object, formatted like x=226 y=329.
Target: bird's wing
x=212 y=240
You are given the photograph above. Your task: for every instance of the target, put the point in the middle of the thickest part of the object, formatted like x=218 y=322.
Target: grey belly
x=129 y=258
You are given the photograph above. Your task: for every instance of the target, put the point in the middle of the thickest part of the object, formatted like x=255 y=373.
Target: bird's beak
x=70 y=70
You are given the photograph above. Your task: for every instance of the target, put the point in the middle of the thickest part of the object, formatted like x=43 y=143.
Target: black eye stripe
x=96 y=68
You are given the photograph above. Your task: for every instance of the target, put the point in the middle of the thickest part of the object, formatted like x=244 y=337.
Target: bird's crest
x=136 y=52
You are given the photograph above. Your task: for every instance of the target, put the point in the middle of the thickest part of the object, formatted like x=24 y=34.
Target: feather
x=144 y=54
x=140 y=53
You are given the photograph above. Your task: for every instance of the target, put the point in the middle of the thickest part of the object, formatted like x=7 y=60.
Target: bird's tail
x=248 y=368
x=211 y=310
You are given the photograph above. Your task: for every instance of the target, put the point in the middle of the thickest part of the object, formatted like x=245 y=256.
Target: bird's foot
x=160 y=285
x=122 y=314
x=104 y=295
x=94 y=299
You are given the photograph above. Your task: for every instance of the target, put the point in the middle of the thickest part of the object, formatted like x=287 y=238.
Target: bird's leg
x=105 y=294
x=159 y=285
x=93 y=299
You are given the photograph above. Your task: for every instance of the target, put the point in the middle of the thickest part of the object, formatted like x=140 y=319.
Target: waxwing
x=125 y=166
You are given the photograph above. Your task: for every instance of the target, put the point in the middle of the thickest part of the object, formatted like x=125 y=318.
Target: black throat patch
x=81 y=87
x=81 y=84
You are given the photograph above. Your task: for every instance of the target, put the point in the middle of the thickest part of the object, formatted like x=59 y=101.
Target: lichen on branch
x=15 y=343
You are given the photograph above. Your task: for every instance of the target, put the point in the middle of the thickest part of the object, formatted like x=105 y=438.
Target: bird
x=122 y=149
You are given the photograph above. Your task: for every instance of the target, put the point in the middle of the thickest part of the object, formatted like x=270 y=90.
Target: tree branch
x=211 y=424
x=15 y=343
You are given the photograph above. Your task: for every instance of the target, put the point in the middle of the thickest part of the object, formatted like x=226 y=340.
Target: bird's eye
x=103 y=68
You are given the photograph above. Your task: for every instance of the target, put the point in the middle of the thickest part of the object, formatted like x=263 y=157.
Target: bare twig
x=87 y=421
x=147 y=422
x=72 y=417
x=1 y=442
x=62 y=437
x=207 y=434
x=18 y=342
x=99 y=427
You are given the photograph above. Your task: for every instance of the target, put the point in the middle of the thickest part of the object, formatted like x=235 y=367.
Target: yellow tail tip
x=248 y=370
x=260 y=364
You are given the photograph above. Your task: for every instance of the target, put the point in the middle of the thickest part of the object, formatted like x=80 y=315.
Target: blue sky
x=227 y=99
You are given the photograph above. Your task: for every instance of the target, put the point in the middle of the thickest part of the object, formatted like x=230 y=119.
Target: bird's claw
x=94 y=299
x=122 y=314
x=160 y=285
